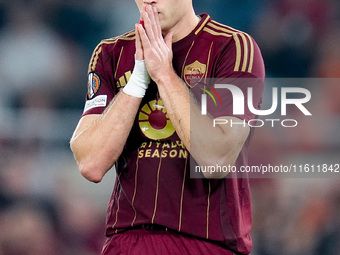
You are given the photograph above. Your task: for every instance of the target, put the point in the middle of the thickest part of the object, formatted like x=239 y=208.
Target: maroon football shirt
x=153 y=183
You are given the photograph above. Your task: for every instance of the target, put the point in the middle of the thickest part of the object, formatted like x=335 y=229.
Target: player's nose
x=149 y=2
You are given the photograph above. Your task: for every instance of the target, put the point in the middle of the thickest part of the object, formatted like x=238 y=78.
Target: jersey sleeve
x=240 y=64
x=100 y=90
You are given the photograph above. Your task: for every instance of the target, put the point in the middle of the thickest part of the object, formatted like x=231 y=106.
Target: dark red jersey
x=153 y=183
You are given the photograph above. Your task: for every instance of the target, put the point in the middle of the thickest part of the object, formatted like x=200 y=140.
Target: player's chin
x=165 y=26
x=162 y=19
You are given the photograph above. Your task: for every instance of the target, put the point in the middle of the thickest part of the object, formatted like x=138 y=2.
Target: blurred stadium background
x=46 y=207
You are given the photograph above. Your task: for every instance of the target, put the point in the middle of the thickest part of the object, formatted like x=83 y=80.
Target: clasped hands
x=151 y=46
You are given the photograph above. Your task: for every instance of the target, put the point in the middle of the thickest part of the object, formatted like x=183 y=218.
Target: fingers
x=150 y=12
x=157 y=22
x=149 y=39
x=153 y=28
x=139 y=48
x=142 y=38
x=149 y=26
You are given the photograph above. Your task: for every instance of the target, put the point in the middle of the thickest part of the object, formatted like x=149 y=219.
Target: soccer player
x=137 y=117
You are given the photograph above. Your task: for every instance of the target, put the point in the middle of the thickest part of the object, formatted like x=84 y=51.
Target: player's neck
x=184 y=27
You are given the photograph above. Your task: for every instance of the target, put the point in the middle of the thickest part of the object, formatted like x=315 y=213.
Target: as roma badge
x=194 y=73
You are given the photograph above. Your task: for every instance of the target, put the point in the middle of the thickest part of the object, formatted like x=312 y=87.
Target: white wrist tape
x=139 y=80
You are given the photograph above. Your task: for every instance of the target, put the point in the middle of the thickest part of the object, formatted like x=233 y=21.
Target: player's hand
x=157 y=51
x=139 y=48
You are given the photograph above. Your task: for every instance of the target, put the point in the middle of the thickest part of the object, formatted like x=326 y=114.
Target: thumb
x=168 y=40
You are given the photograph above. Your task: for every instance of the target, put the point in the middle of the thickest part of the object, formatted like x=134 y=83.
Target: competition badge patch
x=194 y=73
x=93 y=85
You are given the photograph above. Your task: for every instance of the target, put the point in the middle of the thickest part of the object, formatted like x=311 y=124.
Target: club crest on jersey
x=93 y=85
x=194 y=73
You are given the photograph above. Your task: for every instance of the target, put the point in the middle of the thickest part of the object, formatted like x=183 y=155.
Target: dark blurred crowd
x=44 y=49
x=45 y=46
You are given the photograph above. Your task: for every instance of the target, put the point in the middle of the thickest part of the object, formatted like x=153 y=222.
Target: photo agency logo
x=244 y=103
x=204 y=107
